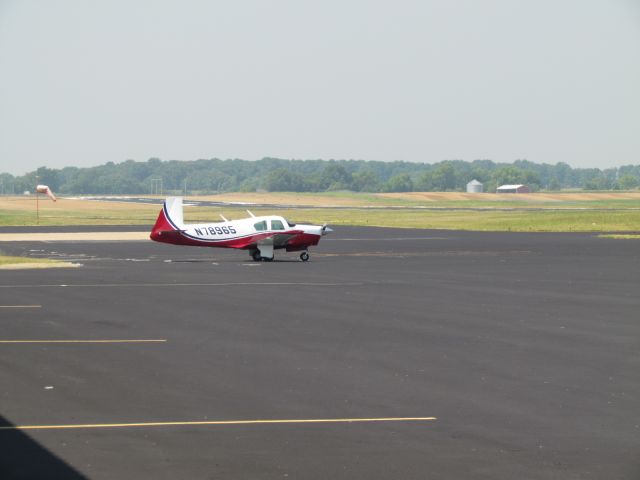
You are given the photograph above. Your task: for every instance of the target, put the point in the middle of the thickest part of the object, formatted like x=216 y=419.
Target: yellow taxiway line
x=84 y=341
x=219 y=422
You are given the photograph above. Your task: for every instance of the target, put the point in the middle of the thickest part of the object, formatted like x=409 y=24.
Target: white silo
x=474 y=186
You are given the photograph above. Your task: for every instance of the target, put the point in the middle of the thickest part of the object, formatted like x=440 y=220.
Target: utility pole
x=156 y=186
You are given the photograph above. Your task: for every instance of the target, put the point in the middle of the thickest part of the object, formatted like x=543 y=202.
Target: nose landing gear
x=304 y=256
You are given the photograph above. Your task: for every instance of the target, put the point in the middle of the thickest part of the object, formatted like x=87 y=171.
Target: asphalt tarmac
x=519 y=353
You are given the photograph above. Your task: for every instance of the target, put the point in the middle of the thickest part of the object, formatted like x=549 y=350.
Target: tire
x=304 y=256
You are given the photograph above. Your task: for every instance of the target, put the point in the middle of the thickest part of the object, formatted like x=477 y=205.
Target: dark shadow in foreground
x=21 y=457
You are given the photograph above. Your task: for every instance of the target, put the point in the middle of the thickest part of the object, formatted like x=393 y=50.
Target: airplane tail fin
x=170 y=218
x=173 y=211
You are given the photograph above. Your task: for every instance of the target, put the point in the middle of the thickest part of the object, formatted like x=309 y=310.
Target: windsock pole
x=42 y=189
x=37 y=203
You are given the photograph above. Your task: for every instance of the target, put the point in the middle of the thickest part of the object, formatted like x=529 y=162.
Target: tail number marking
x=215 y=230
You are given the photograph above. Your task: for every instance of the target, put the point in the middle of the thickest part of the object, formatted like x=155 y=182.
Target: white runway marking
x=382 y=239
x=20 y=306
x=151 y=285
x=84 y=341
x=220 y=422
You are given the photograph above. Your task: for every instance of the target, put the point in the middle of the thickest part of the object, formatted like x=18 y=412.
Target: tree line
x=279 y=175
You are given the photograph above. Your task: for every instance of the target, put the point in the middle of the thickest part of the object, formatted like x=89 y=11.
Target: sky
x=83 y=82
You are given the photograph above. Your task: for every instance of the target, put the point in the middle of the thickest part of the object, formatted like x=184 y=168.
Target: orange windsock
x=47 y=190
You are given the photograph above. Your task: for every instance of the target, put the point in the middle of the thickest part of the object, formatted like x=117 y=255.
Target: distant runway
x=210 y=203
x=393 y=353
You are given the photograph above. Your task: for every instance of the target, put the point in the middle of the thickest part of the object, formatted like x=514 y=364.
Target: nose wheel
x=304 y=256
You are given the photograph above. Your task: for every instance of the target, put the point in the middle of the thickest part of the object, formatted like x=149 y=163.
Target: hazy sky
x=86 y=82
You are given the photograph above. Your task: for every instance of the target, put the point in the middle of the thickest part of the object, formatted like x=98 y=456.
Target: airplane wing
x=280 y=239
x=275 y=238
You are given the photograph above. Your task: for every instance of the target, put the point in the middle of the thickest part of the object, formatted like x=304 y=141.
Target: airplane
x=260 y=235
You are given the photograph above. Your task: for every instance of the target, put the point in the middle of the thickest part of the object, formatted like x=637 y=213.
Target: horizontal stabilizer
x=170 y=233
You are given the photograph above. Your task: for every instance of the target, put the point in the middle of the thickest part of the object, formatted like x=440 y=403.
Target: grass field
x=16 y=211
x=597 y=212
x=439 y=199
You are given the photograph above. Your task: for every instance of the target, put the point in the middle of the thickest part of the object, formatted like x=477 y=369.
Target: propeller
x=326 y=229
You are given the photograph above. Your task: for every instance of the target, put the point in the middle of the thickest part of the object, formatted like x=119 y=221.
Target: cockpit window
x=276 y=225
x=260 y=226
x=290 y=223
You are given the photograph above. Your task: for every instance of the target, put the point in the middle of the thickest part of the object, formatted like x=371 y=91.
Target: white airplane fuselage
x=260 y=235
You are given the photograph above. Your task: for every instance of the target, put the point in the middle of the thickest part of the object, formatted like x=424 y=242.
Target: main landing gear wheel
x=304 y=256
x=257 y=257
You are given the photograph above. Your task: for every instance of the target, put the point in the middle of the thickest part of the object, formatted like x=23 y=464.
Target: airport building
x=513 y=189
x=474 y=186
